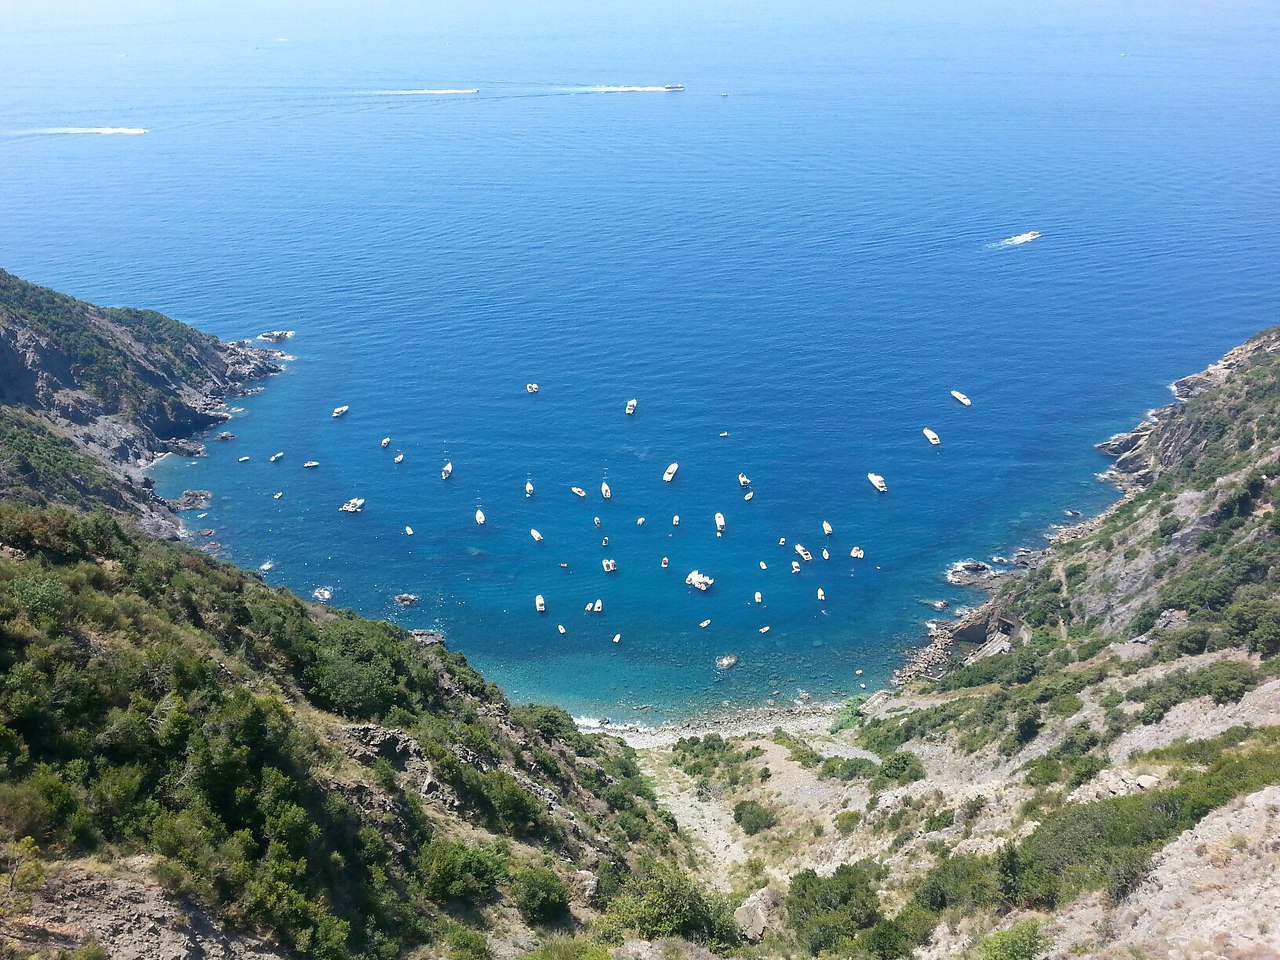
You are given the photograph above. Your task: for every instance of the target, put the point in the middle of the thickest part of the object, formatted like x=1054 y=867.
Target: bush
x=665 y=903
x=825 y=911
x=753 y=817
x=540 y=895
x=1022 y=941
x=899 y=769
x=452 y=870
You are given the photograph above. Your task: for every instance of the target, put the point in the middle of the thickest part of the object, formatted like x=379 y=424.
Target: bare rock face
x=758 y=913
x=661 y=950
x=129 y=915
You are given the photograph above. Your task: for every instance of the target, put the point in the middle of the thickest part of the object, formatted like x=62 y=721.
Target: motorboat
x=617 y=638
x=479 y=516
x=446 y=470
x=931 y=436
x=698 y=580
x=399 y=458
x=782 y=541
x=673 y=88
x=598 y=606
x=339 y=411
x=386 y=442
x=795 y=566
x=596 y=521
x=665 y=561
x=578 y=491
x=704 y=624
x=354 y=505
x=244 y=459
x=857 y=553
x=826 y=555
x=277 y=495
x=962 y=398
x=763 y=565
x=530 y=388
x=877 y=481
x=631 y=406
x=535 y=534
x=805 y=555
x=408 y=531
x=675 y=521
x=610 y=566
x=744 y=480
x=560 y=627
x=765 y=628
x=323 y=594
x=404 y=599
x=604 y=489
x=670 y=473
x=822 y=594
x=311 y=464
x=748 y=495
x=539 y=604
x=759 y=597
x=528 y=488
x=720 y=522
x=276 y=456
x=639 y=521
x=826 y=528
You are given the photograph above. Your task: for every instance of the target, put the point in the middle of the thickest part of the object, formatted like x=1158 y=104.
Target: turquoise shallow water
x=810 y=263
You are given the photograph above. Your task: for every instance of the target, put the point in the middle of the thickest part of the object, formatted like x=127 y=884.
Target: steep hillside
x=121 y=386
x=1094 y=773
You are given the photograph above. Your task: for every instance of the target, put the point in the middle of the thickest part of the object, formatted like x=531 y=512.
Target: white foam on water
x=614 y=89
x=423 y=93
x=1017 y=241
x=96 y=131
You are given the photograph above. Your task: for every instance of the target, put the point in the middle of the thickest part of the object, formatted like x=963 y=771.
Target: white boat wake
x=1017 y=241
x=674 y=88
x=98 y=131
x=423 y=93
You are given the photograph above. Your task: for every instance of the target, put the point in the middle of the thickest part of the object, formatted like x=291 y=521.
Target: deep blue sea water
x=806 y=263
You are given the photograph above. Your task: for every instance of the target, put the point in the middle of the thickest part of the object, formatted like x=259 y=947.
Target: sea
x=789 y=265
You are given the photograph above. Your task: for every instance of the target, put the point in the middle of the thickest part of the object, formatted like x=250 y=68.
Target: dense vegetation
x=148 y=701
x=41 y=467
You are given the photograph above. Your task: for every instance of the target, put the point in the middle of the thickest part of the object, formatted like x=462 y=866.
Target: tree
x=21 y=875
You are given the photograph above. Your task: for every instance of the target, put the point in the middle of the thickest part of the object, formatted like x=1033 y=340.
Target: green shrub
x=1022 y=941
x=663 y=903
x=753 y=817
x=540 y=895
x=827 y=911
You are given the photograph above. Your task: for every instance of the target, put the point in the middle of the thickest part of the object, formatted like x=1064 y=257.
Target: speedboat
x=748 y=495
x=825 y=554
x=604 y=489
x=408 y=531
x=535 y=534
x=596 y=521
x=877 y=481
x=704 y=624
x=399 y=458
x=664 y=563
x=354 y=505
x=698 y=580
x=323 y=594
x=795 y=566
x=560 y=627
x=579 y=491
x=599 y=606
x=675 y=521
x=826 y=528
x=448 y=469
x=763 y=565
x=405 y=599
x=540 y=604
x=631 y=406
x=782 y=541
x=639 y=521
x=277 y=495
x=610 y=566
x=617 y=638
x=479 y=516
x=822 y=594
x=764 y=629
x=759 y=597
x=674 y=88
x=530 y=388
x=528 y=488
x=744 y=480
x=670 y=473
x=276 y=456
x=724 y=433
x=311 y=464
x=385 y=442
x=720 y=522
x=931 y=436
x=804 y=554
x=339 y=411
x=857 y=553
x=244 y=459
x=962 y=398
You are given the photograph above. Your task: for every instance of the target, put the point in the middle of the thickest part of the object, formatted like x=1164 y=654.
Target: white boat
x=604 y=542
x=323 y=594
x=931 y=436
x=1020 y=239
x=528 y=488
x=805 y=555
x=748 y=495
x=399 y=458
x=604 y=489
x=720 y=522
x=596 y=521
x=670 y=473
x=639 y=521
x=877 y=481
x=698 y=580
x=479 y=516
x=535 y=534
x=782 y=541
x=764 y=629
x=588 y=606
x=446 y=470
x=408 y=531
x=665 y=561
x=599 y=606
x=675 y=521
x=744 y=480
x=354 y=505
x=795 y=566
x=704 y=624
x=617 y=638
x=578 y=491
x=857 y=553
x=560 y=627
x=825 y=554
x=540 y=604
x=311 y=464
x=822 y=594
x=277 y=495
x=962 y=398
x=826 y=528
x=530 y=388
x=724 y=433
x=759 y=597
x=763 y=565
x=339 y=411
x=276 y=456
x=610 y=566
x=631 y=406
x=385 y=442
x=673 y=88
x=244 y=459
